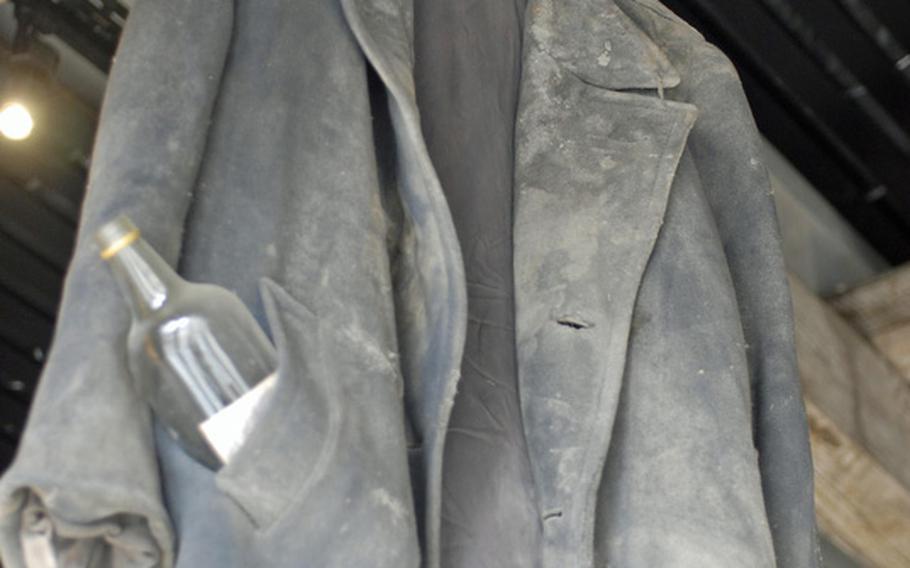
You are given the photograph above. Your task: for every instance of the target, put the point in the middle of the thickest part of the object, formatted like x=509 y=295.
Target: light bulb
x=16 y=121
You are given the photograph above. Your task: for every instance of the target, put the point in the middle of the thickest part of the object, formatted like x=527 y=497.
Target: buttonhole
x=549 y=515
x=575 y=322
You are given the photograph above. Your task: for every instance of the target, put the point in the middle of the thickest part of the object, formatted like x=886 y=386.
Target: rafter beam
x=852 y=383
x=859 y=417
x=881 y=311
x=859 y=506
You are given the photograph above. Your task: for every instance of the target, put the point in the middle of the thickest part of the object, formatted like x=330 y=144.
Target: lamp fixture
x=27 y=80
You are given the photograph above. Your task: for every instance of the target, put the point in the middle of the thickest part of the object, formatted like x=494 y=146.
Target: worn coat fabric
x=656 y=364
x=239 y=137
x=467 y=69
x=645 y=409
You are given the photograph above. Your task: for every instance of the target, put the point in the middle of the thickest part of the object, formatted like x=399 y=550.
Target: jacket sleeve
x=84 y=484
x=727 y=150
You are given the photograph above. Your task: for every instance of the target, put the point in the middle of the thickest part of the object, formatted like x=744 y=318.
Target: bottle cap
x=116 y=235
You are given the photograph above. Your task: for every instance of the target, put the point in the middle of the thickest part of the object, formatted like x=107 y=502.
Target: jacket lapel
x=595 y=162
x=383 y=29
x=431 y=303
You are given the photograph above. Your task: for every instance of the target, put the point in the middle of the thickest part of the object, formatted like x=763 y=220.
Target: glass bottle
x=195 y=352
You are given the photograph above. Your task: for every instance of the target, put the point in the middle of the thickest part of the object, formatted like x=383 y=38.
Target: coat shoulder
x=694 y=57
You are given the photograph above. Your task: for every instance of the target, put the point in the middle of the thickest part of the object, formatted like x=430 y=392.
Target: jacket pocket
x=295 y=426
x=326 y=457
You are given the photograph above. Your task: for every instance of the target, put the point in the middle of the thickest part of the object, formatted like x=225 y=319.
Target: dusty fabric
x=257 y=137
x=657 y=373
x=467 y=66
x=637 y=404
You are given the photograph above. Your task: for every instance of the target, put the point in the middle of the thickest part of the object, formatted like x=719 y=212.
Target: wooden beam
x=880 y=304
x=858 y=406
x=894 y=344
x=843 y=375
x=862 y=509
x=881 y=311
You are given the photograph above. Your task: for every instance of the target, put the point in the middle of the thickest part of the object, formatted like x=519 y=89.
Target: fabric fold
x=467 y=66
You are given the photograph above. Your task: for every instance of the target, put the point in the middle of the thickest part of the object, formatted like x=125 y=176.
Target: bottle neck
x=144 y=278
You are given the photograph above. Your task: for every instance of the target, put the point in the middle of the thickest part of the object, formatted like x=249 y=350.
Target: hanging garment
x=637 y=404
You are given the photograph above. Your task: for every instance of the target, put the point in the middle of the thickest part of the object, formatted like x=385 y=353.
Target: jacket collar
x=600 y=44
x=594 y=39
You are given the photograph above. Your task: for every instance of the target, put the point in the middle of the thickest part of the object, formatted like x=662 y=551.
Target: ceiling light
x=16 y=122
x=27 y=80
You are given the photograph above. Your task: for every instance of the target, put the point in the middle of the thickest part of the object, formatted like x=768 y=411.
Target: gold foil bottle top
x=115 y=236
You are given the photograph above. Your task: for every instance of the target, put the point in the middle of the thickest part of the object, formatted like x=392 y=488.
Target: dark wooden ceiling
x=829 y=84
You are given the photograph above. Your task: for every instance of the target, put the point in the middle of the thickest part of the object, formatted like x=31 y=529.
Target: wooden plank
x=34 y=226
x=24 y=328
x=13 y=413
x=18 y=373
x=881 y=310
x=880 y=305
x=28 y=277
x=7 y=452
x=852 y=383
x=894 y=343
x=858 y=407
x=858 y=505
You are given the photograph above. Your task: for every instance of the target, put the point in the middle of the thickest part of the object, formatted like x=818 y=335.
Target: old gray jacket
x=652 y=417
